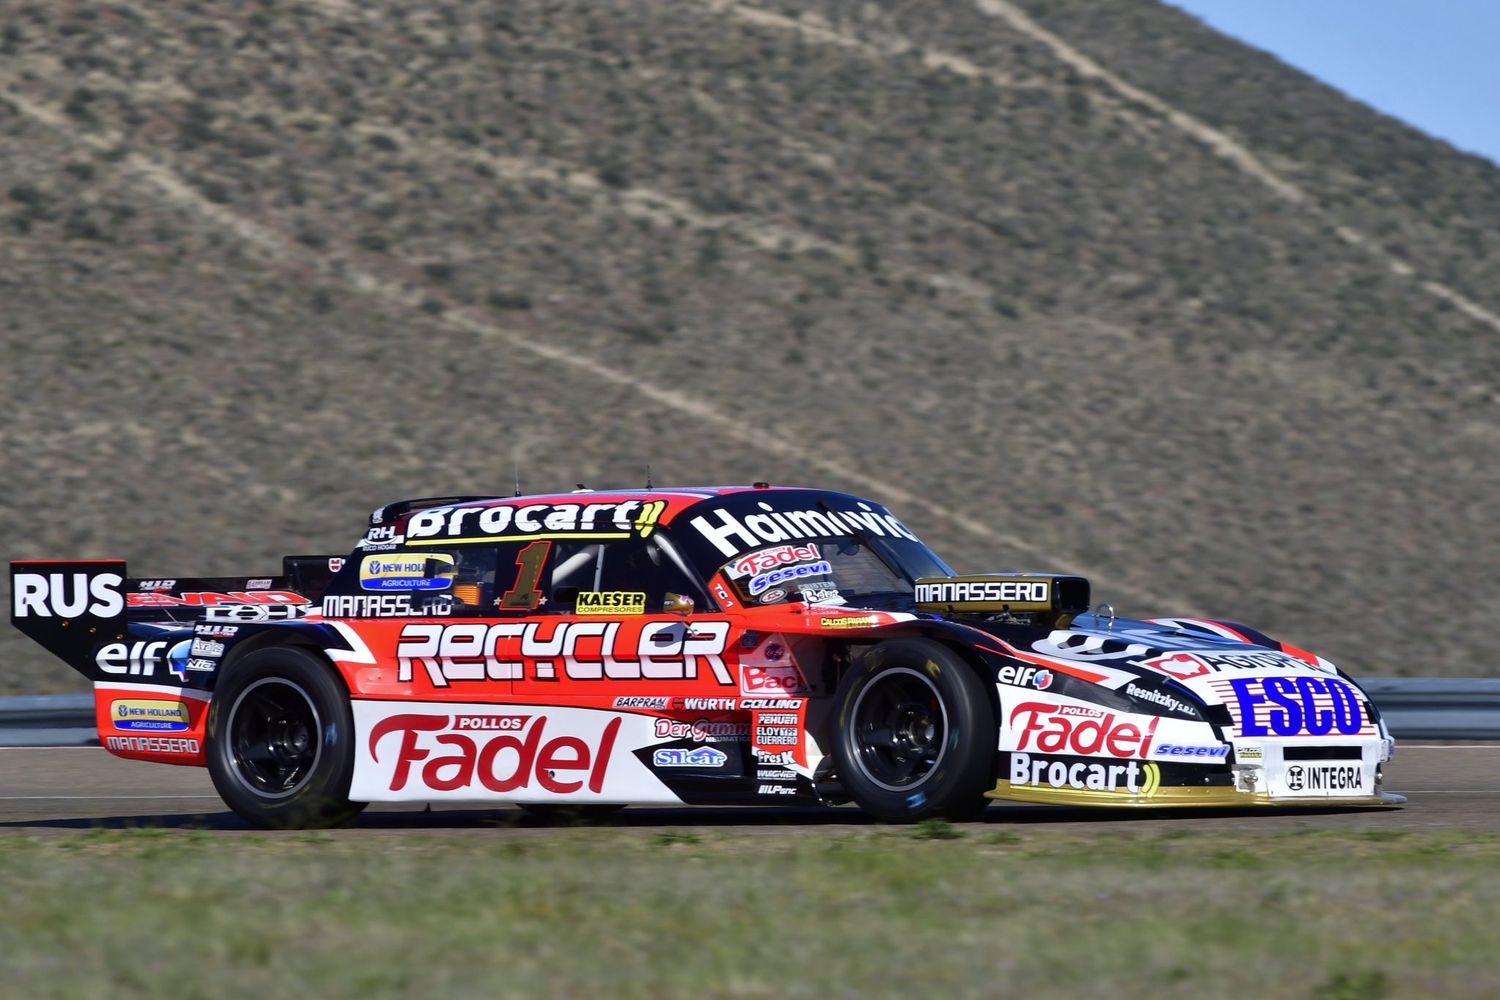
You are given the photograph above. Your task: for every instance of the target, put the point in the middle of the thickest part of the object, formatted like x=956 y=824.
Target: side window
x=637 y=575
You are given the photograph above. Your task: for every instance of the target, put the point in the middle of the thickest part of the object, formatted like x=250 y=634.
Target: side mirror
x=677 y=604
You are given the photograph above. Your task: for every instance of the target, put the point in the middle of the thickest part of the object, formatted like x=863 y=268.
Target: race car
x=722 y=645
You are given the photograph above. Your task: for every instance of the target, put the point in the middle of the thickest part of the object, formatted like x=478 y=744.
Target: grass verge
x=921 y=911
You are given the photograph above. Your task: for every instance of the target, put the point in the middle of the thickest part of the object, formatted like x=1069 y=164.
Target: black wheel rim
x=272 y=738
x=900 y=729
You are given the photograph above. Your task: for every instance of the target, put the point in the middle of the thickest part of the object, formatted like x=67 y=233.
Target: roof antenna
x=648 y=475
x=516 y=464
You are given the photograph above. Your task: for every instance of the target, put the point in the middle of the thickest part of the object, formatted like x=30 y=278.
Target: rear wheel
x=916 y=733
x=281 y=741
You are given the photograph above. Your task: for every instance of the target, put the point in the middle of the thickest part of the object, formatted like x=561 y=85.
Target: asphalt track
x=1448 y=787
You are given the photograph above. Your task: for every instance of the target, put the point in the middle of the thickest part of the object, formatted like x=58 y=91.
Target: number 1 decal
x=525 y=596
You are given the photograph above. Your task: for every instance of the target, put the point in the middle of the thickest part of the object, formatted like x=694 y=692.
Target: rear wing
x=102 y=622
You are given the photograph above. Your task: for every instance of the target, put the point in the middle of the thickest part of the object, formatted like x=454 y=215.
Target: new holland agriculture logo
x=407 y=571
x=149 y=716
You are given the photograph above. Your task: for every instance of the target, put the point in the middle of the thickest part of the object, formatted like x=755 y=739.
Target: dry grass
x=964 y=911
x=266 y=267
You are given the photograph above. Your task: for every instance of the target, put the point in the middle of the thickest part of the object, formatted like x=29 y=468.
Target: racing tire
x=281 y=741
x=916 y=733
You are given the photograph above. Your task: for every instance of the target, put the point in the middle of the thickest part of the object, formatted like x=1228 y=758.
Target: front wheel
x=916 y=733
x=281 y=741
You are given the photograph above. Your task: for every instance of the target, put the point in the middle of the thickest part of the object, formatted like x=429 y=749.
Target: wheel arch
x=302 y=637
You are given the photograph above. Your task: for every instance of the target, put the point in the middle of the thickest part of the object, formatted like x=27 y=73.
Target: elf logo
x=140 y=659
x=66 y=595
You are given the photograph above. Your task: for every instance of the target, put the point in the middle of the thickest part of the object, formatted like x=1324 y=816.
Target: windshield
x=850 y=572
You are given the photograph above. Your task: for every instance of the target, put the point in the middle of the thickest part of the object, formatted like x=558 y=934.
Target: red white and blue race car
x=725 y=645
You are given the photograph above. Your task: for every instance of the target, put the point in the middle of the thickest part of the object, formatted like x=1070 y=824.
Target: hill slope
x=1095 y=291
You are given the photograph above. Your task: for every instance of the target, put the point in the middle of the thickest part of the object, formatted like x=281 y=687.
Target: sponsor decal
x=765 y=581
x=382 y=606
x=769 y=669
x=710 y=704
x=611 y=602
x=158 y=585
x=773 y=758
x=1160 y=698
x=1034 y=677
x=1079 y=730
x=703 y=730
x=773 y=558
x=773 y=704
x=1293 y=706
x=814 y=594
x=407 y=571
x=772 y=679
x=1260 y=659
x=259 y=583
x=851 y=621
x=722 y=593
x=732 y=535
x=383 y=535
x=152 y=744
x=207 y=647
x=643 y=701
x=983 y=591
x=67 y=595
x=1248 y=752
x=140 y=659
x=776 y=790
x=1325 y=778
x=1217 y=751
x=335 y=564
x=256 y=612
x=215 y=631
x=490 y=723
x=535 y=521
x=773 y=595
x=136 y=715
x=442 y=755
x=582 y=650
x=1183 y=666
x=694 y=757
x=201 y=665
x=209 y=599
x=1129 y=778
x=777 y=736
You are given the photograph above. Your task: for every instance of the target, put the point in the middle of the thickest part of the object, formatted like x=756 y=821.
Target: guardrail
x=48 y=720
x=1424 y=708
x=1438 y=708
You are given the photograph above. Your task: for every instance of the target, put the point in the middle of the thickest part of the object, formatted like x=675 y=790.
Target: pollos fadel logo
x=499 y=754
x=1081 y=730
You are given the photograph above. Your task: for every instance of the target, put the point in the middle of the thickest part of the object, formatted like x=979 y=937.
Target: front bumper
x=1259 y=773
